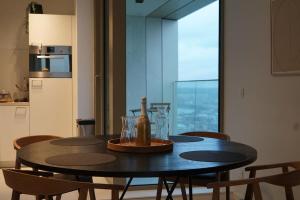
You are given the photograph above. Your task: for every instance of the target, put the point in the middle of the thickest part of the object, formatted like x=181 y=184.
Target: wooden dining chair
x=200 y=179
x=285 y=167
x=24 y=141
x=42 y=184
x=285 y=179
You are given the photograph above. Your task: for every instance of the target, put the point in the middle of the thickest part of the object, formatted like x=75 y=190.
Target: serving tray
x=157 y=145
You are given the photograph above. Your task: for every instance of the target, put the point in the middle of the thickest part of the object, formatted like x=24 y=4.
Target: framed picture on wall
x=285 y=37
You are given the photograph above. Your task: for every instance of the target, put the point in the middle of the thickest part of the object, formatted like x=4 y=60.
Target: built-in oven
x=50 y=61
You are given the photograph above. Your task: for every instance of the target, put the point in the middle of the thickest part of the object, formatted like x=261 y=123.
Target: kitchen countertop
x=14 y=104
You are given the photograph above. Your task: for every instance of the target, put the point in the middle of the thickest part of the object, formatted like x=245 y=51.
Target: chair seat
x=202 y=179
x=43 y=185
x=210 y=176
x=73 y=178
x=65 y=177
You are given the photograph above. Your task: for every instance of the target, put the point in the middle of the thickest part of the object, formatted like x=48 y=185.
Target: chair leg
x=58 y=197
x=92 y=194
x=92 y=190
x=227 y=188
x=216 y=194
x=289 y=195
x=15 y=195
x=17 y=163
x=249 y=190
x=183 y=192
x=256 y=191
x=83 y=194
x=159 y=188
x=227 y=193
x=39 y=197
x=115 y=194
x=190 y=188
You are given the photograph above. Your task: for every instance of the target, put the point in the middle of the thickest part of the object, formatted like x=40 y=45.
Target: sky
x=198 y=44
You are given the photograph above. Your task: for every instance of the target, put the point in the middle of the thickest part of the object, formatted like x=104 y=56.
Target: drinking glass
x=128 y=133
x=162 y=123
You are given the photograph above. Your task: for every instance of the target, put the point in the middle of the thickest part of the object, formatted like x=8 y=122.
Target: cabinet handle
x=51 y=57
x=36 y=84
x=20 y=111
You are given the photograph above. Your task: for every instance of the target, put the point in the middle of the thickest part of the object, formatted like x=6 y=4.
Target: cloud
x=198 y=44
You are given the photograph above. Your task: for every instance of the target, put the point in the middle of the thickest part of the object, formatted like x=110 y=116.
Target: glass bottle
x=143 y=126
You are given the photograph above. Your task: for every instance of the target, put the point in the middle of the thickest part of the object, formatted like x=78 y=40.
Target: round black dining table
x=89 y=156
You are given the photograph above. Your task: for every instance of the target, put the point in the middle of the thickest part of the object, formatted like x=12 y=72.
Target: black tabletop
x=189 y=157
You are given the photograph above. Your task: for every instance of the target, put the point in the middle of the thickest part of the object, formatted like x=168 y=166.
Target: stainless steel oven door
x=54 y=63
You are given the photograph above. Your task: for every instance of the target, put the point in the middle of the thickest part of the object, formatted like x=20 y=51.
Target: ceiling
x=143 y=9
x=167 y=9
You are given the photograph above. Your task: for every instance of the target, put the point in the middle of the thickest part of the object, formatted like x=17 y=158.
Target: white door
x=51 y=106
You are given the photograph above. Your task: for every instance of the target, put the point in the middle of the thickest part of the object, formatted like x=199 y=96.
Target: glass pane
x=196 y=106
x=60 y=65
x=196 y=93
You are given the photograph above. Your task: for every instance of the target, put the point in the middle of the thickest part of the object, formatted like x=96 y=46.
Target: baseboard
x=151 y=195
x=148 y=192
x=7 y=164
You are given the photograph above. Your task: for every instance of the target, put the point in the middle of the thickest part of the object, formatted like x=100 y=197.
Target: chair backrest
x=295 y=165
x=290 y=179
x=285 y=167
x=24 y=141
x=27 y=183
x=287 y=180
x=38 y=183
x=153 y=108
x=167 y=106
x=215 y=135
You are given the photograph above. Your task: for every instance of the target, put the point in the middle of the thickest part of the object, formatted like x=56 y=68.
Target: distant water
x=196 y=106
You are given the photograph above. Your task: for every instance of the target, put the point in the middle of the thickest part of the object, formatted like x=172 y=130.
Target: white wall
x=268 y=117
x=83 y=74
x=151 y=68
x=14 y=40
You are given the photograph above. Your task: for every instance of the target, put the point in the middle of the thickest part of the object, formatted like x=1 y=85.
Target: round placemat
x=182 y=138
x=77 y=141
x=213 y=156
x=80 y=159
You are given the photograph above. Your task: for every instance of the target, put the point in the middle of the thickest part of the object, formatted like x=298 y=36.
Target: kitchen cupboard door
x=14 y=124
x=45 y=29
x=51 y=106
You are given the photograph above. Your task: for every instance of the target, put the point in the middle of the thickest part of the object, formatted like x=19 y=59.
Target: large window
x=196 y=94
x=172 y=56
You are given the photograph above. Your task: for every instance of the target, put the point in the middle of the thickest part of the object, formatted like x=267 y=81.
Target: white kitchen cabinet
x=45 y=29
x=14 y=122
x=50 y=106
